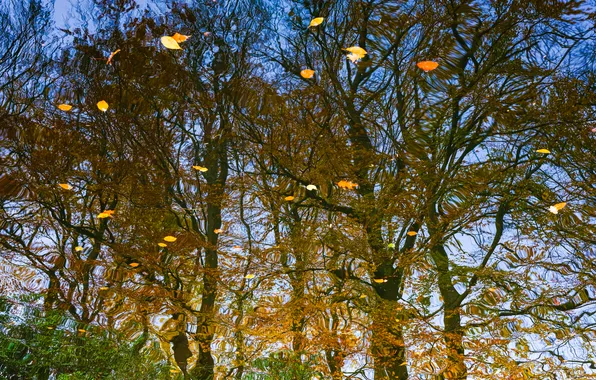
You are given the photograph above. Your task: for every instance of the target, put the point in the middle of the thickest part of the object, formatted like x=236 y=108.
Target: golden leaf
x=307 y=73
x=380 y=280
x=112 y=54
x=65 y=186
x=102 y=105
x=200 y=168
x=82 y=330
x=170 y=239
x=105 y=214
x=64 y=107
x=347 y=185
x=163 y=245
x=411 y=233
x=427 y=65
x=134 y=265
x=289 y=198
x=545 y=151
x=249 y=276
x=170 y=43
x=180 y=37
x=218 y=231
x=316 y=21
x=557 y=207
x=78 y=248
x=103 y=288
x=356 y=53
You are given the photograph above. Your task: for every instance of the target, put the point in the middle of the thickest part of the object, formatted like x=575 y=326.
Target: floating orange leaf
x=170 y=43
x=170 y=239
x=65 y=186
x=112 y=54
x=134 y=265
x=105 y=214
x=180 y=37
x=102 y=105
x=307 y=73
x=557 y=207
x=427 y=65
x=380 y=280
x=347 y=185
x=64 y=107
x=316 y=21
x=218 y=231
x=411 y=233
x=200 y=168
x=289 y=198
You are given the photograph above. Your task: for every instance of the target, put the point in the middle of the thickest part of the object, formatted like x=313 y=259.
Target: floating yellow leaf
x=289 y=198
x=112 y=54
x=102 y=105
x=249 y=276
x=65 y=107
x=134 y=265
x=556 y=208
x=163 y=245
x=427 y=65
x=78 y=248
x=170 y=43
x=316 y=21
x=103 y=288
x=363 y=296
x=307 y=73
x=170 y=239
x=390 y=245
x=356 y=53
x=180 y=37
x=200 y=168
x=347 y=185
x=82 y=330
x=411 y=233
x=105 y=214
x=311 y=187
x=218 y=231
x=545 y=151
x=65 y=186
x=380 y=280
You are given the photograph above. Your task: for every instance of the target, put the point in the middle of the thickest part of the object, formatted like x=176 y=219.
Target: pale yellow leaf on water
x=82 y=331
x=180 y=37
x=363 y=296
x=411 y=233
x=170 y=239
x=356 y=53
x=65 y=107
x=218 y=231
x=134 y=265
x=390 y=245
x=112 y=54
x=307 y=73
x=289 y=198
x=102 y=105
x=103 y=288
x=78 y=248
x=103 y=215
x=65 y=186
x=249 y=276
x=311 y=187
x=316 y=21
x=170 y=43
x=557 y=207
x=545 y=151
x=200 y=168
x=380 y=280
x=163 y=245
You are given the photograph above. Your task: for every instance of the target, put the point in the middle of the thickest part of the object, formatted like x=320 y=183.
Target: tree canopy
x=299 y=189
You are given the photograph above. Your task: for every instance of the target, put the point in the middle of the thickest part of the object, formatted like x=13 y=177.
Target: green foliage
x=282 y=366
x=35 y=347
